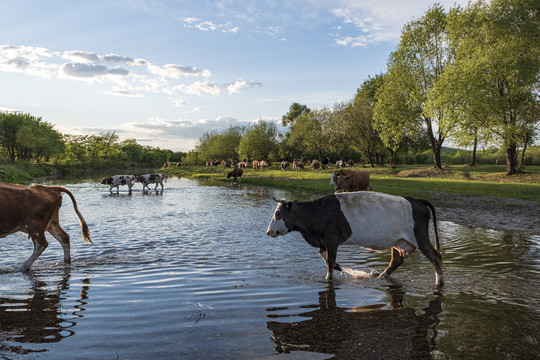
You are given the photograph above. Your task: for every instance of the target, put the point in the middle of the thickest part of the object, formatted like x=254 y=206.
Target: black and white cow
x=117 y=180
x=150 y=179
x=372 y=220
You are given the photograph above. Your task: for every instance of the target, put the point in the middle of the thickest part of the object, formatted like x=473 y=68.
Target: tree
x=10 y=124
x=260 y=141
x=230 y=142
x=496 y=68
x=26 y=137
x=295 y=110
x=396 y=116
x=421 y=57
x=306 y=132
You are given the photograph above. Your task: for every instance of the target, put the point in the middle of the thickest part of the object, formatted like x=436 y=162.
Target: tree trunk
x=473 y=159
x=435 y=146
x=392 y=159
x=522 y=158
x=511 y=160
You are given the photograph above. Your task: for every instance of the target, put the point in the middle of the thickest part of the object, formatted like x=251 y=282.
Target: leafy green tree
x=260 y=141
x=10 y=125
x=26 y=137
x=421 y=57
x=133 y=150
x=496 y=68
x=306 y=132
x=230 y=142
x=396 y=117
x=295 y=110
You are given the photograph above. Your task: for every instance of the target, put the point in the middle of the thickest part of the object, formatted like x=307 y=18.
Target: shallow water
x=191 y=274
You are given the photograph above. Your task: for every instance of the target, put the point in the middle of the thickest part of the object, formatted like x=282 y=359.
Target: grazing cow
x=348 y=180
x=298 y=165
x=255 y=164
x=325 y=163
x=236 y=173
x=117 y=180
x=263 y=164
x=316 y=165
x=350 y=163
x=340 y=164
x=242 y=165
x=372 y=220
x=150 y=179
x=34 y=210
x=284 y=165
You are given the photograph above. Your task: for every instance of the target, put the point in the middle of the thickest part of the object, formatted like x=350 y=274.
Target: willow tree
x=306 y=133
x=496 y=67
x=421 y=57
x=260 y=141
x=395 y=115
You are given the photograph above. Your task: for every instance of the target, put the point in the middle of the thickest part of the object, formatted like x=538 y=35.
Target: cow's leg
x=63 y=238
x=40 y=244
x=397 y=259
x=329 y=256
x=424 y=244
x=324 y=255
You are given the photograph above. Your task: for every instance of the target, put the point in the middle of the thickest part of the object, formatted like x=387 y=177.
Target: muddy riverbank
x=488 y=212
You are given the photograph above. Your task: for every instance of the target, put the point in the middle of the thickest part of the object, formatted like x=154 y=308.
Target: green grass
x=478 y=180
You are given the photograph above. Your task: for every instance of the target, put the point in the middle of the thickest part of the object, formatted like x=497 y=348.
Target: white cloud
x=369 y=22
x=80 y=70
x=177 y=71
x=200 y=88
x=27 y=59
x=127 y=76
x=240 y=85
x=207 y=25
x=119 y=91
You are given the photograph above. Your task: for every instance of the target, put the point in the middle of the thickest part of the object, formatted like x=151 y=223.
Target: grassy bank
x=416 y=181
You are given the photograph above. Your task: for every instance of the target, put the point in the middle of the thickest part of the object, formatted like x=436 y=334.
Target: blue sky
x=164 y=72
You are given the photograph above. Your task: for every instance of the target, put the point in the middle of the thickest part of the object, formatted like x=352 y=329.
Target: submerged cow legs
x=329 y=257
x=397 y=259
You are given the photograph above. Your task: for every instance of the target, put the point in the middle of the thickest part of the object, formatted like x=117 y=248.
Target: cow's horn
x=276 y=200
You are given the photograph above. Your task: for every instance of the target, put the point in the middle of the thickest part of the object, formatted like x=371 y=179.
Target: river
x=191 y=274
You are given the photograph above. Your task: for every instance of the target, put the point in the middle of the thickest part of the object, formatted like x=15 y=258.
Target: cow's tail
x=435 y=229
x=84 y=226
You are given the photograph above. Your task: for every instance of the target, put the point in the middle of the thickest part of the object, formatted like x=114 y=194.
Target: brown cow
x=34 y=210
x=255 y=164
x=316 y=165
x=349 y=180
x=236 y=173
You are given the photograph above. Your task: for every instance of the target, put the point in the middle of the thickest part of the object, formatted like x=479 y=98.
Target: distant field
x=416 y=181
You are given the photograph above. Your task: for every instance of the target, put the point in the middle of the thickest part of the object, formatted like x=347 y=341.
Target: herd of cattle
x=368 y=219
x=116 y=181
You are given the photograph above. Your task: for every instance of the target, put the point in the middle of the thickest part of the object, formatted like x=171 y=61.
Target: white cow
x=117 y=180
x=150 y=179
x=368 y=219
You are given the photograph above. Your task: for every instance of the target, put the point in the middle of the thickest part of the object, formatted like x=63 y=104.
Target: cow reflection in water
x=39 y=318
x=364 y=332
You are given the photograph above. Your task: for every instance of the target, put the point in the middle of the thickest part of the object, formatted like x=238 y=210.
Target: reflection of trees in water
x=362 y=332
x=39 y=317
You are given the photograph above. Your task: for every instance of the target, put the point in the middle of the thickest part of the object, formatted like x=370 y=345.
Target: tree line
x=469 y=75
x=24 y=137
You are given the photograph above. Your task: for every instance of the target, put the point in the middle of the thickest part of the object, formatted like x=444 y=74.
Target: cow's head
x=342 y=181
x=277 y=224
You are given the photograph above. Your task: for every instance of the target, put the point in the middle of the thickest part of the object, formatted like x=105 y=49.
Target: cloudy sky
x=165 y=71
